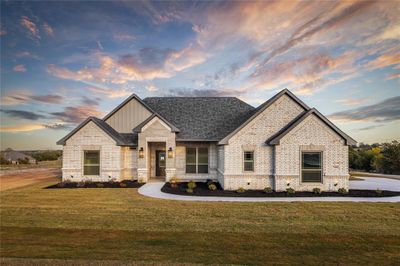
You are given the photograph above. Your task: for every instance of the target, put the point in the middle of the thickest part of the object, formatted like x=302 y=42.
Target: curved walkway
x=154 y=190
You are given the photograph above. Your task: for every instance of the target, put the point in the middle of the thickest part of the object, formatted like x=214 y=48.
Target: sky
x=64 y=61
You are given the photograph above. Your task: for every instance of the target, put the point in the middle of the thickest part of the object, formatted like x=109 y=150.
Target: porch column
x=170 y=169
x=142 y=170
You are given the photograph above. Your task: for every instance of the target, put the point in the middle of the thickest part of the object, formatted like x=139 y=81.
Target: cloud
x=90 y=101
x=76 y=114
x=187 y=92
x=2 y=30
x=26 y=54
x=111 y=93
x=30 y=26
x=57 y=126
x=16 y=98
x=19 y=68
x=147 y=64
x=387 y=59
x=151 y=88
x=22 y=128
x=48 y=29
x=393 y=76
x=23 y=114
x=385 y=111
x=352 y=102
x=370 y=127
x=124 y=37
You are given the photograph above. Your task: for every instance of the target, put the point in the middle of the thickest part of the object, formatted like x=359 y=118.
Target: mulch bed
x=122 y=184
x=202 y=190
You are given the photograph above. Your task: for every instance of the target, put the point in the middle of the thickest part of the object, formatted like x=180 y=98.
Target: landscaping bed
x=122 y=184
x=202 y=189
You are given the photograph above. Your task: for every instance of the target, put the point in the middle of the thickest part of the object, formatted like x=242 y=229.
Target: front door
x=160 y=163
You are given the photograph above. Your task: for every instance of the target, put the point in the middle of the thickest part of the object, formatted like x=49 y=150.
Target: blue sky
x=64 y=61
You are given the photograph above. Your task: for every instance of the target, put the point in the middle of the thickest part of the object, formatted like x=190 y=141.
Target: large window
x=91 y=163
x=311 y=167
x=197 y=160
x=248 y=161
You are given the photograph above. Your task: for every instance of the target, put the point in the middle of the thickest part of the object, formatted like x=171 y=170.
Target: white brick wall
x=90 y=137
x=253 y=137
x=312 y=135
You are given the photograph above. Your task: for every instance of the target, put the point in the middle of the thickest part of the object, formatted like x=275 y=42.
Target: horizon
x=64 y=61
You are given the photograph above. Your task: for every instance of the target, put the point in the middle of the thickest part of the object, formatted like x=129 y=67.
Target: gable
x=88 y=133
x=156 y=127
x=270 y=117
x=128 y=115
x=299 y=121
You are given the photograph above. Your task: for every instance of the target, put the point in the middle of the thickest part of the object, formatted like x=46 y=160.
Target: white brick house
x=282 y=143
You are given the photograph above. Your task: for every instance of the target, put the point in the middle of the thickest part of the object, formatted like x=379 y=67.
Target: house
x=282 y=143
x=16 y=157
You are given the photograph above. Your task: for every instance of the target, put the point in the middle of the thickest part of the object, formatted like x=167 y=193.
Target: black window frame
x=91 y=164
x=314 y=170
x=197 y=164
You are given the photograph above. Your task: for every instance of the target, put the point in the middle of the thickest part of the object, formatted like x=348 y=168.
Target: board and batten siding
x=128 y=117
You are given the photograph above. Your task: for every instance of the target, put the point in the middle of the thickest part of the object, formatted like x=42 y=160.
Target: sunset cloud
x=48 y=29
x=76 y=114
x=352 y=101
x=19 y=68
x=30 y=26
x=22 y=128
x=111 y=93
x=23 y=114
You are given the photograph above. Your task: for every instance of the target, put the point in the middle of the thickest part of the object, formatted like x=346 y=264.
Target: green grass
x=120 y=224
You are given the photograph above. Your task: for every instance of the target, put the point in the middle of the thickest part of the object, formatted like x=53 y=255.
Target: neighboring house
x=282 y=143
x=15 y=157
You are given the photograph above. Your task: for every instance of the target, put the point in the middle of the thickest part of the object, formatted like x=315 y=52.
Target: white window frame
x=246 y=161
x=197 y=160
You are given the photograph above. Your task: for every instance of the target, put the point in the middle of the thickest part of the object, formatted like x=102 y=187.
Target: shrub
x=209 y=181
x=212 y=187
x=378 y=191
x=141 y=181
x=342 y=191
x=268 y=190
x=173 y=182
x=316 y=190
x=99 y=185
x=122 y=184
x=189 y=190
x=112 y=180
x=81 y=184
x=61 y=184
x=240 y=190
x=290 y=191
x=191 y=184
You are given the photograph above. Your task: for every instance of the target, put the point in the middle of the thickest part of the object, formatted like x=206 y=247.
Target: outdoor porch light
x=141 y=152
x=170 y=153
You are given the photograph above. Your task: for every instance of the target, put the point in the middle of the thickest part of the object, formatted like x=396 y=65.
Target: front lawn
x=119 y=224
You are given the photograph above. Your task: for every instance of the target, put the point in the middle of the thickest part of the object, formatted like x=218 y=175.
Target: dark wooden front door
x=160 y=163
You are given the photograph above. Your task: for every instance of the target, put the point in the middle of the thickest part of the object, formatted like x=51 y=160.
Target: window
x=248 y=160
x=91 y=163
x=197 y=160
x=311 y=167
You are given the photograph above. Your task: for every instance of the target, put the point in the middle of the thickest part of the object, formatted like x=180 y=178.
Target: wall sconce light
x=170 y=153
x=141 y=152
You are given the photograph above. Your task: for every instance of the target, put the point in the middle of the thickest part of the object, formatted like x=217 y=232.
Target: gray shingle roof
x=201 y=118
x=12 y=155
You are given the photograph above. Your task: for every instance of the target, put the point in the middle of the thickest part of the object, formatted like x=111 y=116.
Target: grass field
x=120 y=224
x=43 y=164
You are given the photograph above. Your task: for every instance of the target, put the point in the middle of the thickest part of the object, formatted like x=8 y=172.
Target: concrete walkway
x=154 y=190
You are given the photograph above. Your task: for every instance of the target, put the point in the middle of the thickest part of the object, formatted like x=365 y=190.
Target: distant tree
x=390 y=160
x=47 y=155
x=4 y=161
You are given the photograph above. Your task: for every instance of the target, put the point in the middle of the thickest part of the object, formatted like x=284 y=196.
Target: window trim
x=83 y=163
x=197 y=159
x=310 y=169
x=244 y=161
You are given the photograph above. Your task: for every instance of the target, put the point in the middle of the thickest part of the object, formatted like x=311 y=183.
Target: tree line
x=378 y=157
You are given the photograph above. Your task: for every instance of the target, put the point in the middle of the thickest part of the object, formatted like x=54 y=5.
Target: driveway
x=154 y=190
x=375 y=183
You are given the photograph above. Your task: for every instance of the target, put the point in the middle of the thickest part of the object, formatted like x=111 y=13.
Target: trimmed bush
x=378 y=191
x=81 y=184
x=141 y=181
x=240 y=190
x=173 y=182
x=268 y=190
x=192 y=184
x=290 y=191
x=212 y=186
x=342 y=191
x=122 y=185
x=189 y=190
x=316 y=190
x=99 y=185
